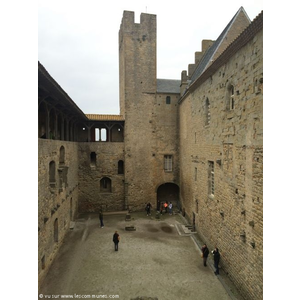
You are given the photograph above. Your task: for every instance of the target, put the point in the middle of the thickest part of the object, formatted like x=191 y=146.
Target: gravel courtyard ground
x=157 y=261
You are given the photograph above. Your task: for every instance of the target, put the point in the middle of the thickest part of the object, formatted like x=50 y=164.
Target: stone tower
x=150 y=125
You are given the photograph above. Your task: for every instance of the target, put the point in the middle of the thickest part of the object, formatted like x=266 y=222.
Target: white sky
x=78 y=41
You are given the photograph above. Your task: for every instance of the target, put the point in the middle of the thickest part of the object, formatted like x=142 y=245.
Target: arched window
x=120 y=167
x=52 y=179
x=207 y=112
x=105 y=185
x=62 y=155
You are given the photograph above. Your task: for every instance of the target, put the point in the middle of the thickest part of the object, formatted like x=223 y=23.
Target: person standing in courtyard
x=216 y=255
x=170 y=208
x=148 y=208
x=205 y=253
x=166 y=206
x=101 y=218
x=116 y=239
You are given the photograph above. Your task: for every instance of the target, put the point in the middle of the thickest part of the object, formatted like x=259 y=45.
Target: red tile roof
x=95 y=117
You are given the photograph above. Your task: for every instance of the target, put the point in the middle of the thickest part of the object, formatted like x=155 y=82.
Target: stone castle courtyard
x=160 y=260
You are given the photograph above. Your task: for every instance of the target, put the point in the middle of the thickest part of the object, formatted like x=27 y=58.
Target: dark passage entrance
x=168 y=192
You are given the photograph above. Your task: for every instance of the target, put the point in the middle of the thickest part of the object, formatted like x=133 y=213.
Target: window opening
x=71 y=209
x=120 y=167
x=62 y=155
x=56 y=230
x=105 y=185
x=168 y=163
x=211 y=178
x=168 y=100
x=93 y=158
x=231 y=98
x=97 y=134
x=103 y=134
x=207 y=111
x=52 y=174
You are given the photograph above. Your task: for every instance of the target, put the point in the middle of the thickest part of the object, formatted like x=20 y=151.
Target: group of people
x=215 y=253
x=161 y=207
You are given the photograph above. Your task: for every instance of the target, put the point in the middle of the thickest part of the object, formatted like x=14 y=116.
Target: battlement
x=128 y=24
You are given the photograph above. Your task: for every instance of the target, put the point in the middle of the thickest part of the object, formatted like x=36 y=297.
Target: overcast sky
x=78 y=41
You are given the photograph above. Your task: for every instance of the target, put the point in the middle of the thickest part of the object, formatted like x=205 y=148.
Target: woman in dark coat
x=216 y=254
x=116 y=239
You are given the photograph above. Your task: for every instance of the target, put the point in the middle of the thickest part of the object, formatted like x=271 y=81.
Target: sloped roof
x=55 y=94
x=210 y=53
x=170 y=86
x=95 y=117
x=236 y=45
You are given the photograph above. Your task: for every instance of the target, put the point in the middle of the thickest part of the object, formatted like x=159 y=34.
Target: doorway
x=168 y=192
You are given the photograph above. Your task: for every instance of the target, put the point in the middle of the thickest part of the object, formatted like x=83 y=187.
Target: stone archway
x=168 y=192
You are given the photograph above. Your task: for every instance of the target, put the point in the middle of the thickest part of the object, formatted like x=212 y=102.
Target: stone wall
x=57 y=197
x=94 y=169
x=150 y=124
x=231 y=138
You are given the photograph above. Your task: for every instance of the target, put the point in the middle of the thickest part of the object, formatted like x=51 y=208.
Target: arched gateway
x=168 y=192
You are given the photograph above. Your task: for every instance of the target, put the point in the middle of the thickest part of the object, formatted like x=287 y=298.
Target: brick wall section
x=57 y=202
x=91 y=198
x=233 y=218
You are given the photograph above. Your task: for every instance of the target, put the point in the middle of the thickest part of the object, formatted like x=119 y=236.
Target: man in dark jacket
x=116 y=239
x=101 y=218
x=216 y=254
x=205 y=253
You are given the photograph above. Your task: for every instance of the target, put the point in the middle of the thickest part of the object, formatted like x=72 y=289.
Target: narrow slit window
x=120 y=167
x=231 y=98
x=103 y=134
x=211 y=178
x=97 y=134
x=168 y=163
x=93 y=158
x=52 y=180
x=207 y=111
x=56 y=230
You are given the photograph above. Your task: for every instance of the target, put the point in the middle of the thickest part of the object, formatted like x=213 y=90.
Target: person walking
x=116 y=239
x=205 y=253
x=101 y=219
x=216 y=255
x=170 y=208
x=148 y=208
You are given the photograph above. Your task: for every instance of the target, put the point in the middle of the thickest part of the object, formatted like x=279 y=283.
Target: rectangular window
x=168 y=100
x=196 y=174
x=168 y=163
x=211 y=178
